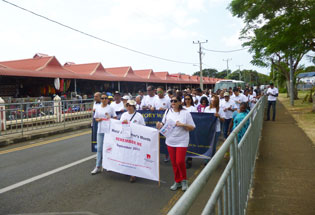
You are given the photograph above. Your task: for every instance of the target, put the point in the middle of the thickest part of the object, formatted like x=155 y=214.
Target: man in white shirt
x=238 y=98
x=117 y=104
x=228 y=106
x=138 y=102
x=161 y=102
x=272 y=94
x=148 y=100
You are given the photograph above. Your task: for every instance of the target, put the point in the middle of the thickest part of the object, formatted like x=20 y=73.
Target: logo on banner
x=148 y=158
x=109 y=149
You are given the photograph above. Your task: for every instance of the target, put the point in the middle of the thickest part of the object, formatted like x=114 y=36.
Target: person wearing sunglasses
x=102 y=115
x=132 y=116
x=177 y=141
x=189 y=104
x=161 y=102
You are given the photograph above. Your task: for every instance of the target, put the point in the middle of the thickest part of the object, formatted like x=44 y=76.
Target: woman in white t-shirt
x=178 y=140
x=218 y=112
x=132 y=116
x=189 y=104
x=103 y=113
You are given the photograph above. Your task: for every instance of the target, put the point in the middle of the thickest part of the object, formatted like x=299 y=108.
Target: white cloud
x=232 y=41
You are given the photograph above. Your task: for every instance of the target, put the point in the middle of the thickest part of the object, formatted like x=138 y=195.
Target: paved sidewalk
x=284 y=181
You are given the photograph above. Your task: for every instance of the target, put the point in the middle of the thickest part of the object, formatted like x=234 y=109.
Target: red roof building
x=91 y=71
x=46 y=67
x=124 y=74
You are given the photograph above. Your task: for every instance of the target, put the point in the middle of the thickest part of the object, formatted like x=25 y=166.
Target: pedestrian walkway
x=284 y=181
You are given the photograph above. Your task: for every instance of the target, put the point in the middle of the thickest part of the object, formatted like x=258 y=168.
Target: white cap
x=125 y=97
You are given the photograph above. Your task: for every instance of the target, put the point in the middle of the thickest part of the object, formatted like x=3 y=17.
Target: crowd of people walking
x=229 y=106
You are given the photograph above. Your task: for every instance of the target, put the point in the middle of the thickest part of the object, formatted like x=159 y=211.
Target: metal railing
x=231 y=193
x=22 y=117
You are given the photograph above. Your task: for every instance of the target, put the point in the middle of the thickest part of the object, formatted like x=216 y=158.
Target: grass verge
x=302 y=113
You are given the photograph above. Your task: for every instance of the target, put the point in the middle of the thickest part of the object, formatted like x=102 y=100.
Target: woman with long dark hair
x=177 y=141
x=218 y=112
x=203 y=104
x=189 y=103
x=103 y=113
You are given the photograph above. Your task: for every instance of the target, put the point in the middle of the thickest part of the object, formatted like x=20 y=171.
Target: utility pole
x=200 y=61
x=227 y=65
x=239 y=72
x=291 y=82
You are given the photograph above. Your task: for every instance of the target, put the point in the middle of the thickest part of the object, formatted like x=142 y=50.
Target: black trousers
x=273 y=104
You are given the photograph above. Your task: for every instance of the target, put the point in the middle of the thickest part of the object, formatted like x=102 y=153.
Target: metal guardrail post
x=64 y=115
x=21 y=113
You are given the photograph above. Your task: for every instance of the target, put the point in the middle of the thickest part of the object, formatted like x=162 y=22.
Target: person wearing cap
x=102 y=115
x=160 y=102
x=132 y=116
x=110 y=99
x=125 y=98
x=117 y=105
x=228 y=106
x=148 y=100
x=272 y=94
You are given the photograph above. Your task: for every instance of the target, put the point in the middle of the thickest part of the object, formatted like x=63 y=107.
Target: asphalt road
x=74 y=189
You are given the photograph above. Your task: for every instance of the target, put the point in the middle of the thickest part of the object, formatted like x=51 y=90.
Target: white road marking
x=30 y=180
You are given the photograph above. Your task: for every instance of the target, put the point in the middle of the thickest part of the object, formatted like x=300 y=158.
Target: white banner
x=137 y=155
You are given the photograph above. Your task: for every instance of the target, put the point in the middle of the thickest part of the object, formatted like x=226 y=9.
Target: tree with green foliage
x=276 y=30
x=252 y=77
x=207 y=73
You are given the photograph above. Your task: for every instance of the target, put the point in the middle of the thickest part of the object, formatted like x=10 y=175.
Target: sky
x=164 y=28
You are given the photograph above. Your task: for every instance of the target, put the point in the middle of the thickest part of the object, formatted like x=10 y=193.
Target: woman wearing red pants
x=178 y=139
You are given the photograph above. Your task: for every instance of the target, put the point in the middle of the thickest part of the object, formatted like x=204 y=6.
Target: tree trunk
x=288 y=88
x=313 y=109
x=295 y=93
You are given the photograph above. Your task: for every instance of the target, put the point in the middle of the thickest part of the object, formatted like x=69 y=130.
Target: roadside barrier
x=231 y=193
x=21 y=117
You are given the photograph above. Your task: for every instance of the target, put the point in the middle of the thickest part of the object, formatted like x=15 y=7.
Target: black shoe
x=267 y=119
x=188 y=163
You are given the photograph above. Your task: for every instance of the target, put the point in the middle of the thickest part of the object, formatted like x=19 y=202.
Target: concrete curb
x=40 y=133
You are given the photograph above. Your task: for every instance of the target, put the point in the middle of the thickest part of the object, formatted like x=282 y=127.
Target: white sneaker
x=184 y=184
x=96 y=170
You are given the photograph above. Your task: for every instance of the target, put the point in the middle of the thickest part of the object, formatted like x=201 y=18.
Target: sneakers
x=96 y=170
x=184 y=185
x=175 y=186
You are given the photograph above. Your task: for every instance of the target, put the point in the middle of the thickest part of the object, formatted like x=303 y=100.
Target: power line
x=227 y=51
x=95 y=37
